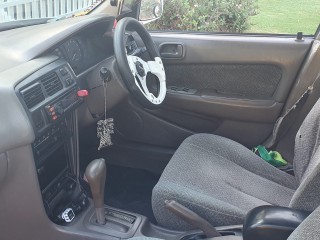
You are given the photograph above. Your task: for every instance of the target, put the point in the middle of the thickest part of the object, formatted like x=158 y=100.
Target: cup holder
x=195 y=236
x=198 y=236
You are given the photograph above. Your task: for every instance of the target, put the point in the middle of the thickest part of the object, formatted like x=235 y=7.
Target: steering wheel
x=134 y=70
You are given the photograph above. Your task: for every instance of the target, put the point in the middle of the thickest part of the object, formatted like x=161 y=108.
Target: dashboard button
x=63 y=71
x=82 y=93
x=68 y=81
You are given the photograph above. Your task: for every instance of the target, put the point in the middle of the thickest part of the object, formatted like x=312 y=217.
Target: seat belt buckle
x=272 y=157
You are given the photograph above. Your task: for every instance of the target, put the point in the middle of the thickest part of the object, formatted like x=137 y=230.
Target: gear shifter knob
x=96 y=177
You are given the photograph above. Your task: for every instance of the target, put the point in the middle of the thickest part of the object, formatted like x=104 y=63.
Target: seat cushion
x=220 y=180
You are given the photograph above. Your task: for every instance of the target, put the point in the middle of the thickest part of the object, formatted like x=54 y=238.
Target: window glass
x=240 y=16
x=13 y=10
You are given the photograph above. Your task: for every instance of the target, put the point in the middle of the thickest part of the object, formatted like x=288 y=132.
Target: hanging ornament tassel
x=105 y=127
x=104 y=131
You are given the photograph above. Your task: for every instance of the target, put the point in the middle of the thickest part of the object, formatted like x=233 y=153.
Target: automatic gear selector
x=96 y=176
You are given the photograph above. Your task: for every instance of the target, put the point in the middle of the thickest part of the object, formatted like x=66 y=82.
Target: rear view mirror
x=150 y=10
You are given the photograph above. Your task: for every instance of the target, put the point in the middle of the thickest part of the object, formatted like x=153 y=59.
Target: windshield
x=15 y=10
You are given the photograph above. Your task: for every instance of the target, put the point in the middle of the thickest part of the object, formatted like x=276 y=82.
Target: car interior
x=111 y=131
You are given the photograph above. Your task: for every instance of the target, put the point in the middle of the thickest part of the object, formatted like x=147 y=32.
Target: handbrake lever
x=192 y=218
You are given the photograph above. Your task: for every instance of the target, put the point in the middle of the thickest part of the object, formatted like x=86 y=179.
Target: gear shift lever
x=96 y=177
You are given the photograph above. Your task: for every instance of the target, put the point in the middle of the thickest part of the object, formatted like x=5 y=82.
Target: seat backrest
x=309 y=229
x=309 y=75
x=307 y=144
x=307 y=162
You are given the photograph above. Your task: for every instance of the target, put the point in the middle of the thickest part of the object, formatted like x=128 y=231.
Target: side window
x=240 y=16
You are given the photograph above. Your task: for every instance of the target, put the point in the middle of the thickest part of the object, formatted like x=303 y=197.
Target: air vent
x=32 y=95
x=51 y=83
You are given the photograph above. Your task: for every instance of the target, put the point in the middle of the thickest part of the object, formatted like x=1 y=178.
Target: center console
x=50 y=97
x=62 y=198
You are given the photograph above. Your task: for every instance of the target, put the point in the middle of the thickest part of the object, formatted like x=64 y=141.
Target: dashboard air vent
x=32 y=95
x=51 y=83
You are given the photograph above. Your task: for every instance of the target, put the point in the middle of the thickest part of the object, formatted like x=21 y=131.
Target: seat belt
x=284 y=123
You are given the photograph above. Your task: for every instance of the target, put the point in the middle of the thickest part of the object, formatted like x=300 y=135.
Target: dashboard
x=42 y=69
x=84 y=43
x=44 y=74
x=78 y=43
x=41 y=72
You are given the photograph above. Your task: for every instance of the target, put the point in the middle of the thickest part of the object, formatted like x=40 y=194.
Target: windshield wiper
x=22 y=23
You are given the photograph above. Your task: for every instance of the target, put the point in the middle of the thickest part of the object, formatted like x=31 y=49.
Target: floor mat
x=130 y=189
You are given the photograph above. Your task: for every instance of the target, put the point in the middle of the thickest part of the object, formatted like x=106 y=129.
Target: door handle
x=172 y=50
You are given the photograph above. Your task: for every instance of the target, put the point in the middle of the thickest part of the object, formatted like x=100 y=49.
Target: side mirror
x=150 y=10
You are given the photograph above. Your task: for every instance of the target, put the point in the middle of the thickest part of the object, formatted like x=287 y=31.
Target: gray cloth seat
x=222 y=180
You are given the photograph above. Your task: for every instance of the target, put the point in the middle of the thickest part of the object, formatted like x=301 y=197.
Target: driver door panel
x=233 y=86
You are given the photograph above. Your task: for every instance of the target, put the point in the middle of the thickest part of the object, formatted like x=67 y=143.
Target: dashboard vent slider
x=32 y=95
x=51 y=83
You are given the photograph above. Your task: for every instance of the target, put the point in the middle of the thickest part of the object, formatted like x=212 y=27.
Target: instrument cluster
x=73 y=52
